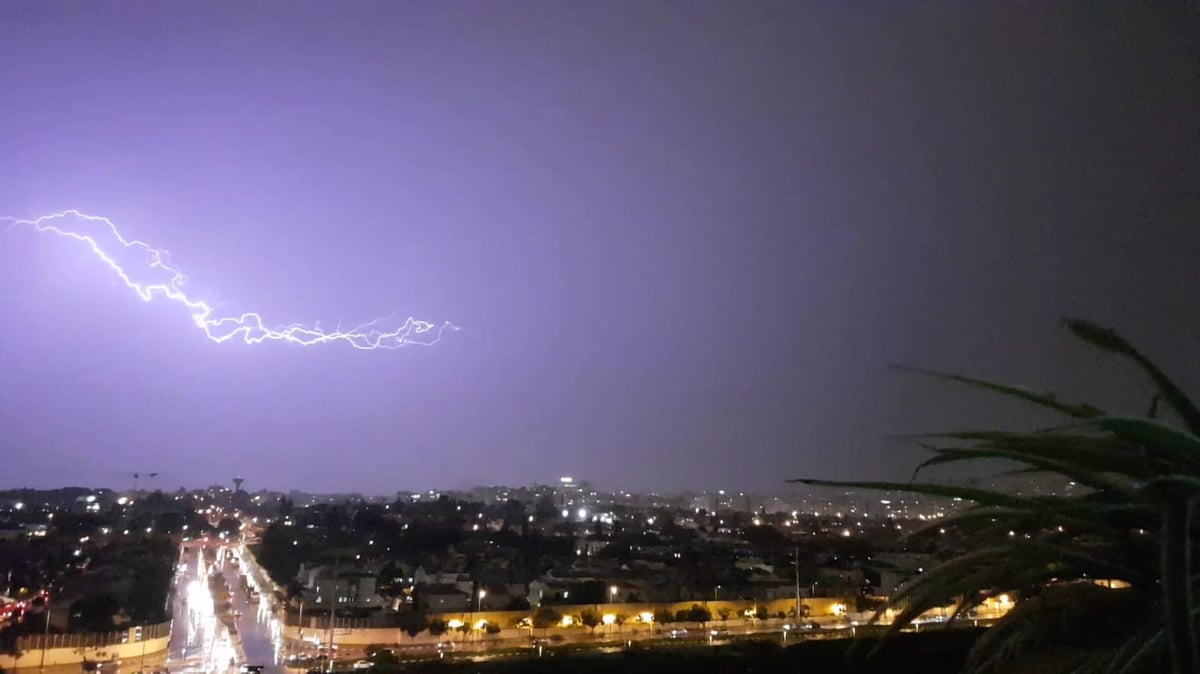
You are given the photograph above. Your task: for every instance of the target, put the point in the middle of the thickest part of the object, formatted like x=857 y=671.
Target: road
x=258 y=627
x=199 y=642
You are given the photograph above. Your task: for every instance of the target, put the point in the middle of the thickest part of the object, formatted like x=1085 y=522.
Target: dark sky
x=683 y=240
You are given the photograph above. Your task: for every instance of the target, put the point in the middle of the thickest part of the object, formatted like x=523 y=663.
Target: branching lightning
x=248 y=327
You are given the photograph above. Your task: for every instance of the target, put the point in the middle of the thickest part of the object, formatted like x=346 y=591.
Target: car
x=361 y=664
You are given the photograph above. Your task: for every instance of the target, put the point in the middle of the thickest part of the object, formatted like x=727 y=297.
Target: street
x=200 y=642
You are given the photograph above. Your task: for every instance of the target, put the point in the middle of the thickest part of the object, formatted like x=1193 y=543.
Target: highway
x=199 y=642
x=258 y=628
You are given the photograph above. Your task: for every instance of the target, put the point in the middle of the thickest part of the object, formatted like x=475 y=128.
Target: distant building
x=340 y=587
x=572 y=494
x=445 y=599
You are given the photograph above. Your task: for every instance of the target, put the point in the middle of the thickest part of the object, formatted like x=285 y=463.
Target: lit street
x=258 y=628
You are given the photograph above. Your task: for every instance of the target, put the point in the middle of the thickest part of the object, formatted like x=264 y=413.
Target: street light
x=45 y=640
x=612 y=593
x=479 y=601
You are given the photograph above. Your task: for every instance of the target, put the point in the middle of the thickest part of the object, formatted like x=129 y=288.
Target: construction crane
x=138 y=475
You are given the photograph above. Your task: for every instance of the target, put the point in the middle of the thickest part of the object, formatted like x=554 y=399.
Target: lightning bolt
x=249 y=327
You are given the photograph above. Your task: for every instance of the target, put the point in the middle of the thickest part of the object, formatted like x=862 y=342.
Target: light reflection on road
x=206 y=644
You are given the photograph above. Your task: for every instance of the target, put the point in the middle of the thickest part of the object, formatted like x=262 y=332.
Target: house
x=590 y=545
x=834 y=576
x=445 y=598
x=339 y=587
x=545 y=590
x=423 y=577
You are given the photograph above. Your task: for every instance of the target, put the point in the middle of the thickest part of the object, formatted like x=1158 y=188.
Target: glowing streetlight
x=612 y=593
x=479 y=600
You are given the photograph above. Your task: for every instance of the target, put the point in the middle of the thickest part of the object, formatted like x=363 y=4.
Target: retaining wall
x=71 y=649
x=316 y=626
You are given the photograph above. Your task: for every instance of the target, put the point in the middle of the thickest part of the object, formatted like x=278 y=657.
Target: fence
x=93 y=639
x=147 y=641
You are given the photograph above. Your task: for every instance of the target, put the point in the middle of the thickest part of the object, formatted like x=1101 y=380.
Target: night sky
x=683 y=240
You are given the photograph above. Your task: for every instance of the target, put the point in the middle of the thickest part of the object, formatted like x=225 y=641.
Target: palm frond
x=1047 y=400
x=1109 y=340
x=1131 y=520
x=975 y=494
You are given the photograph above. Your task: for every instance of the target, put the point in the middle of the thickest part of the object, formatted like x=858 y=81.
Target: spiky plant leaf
x=1165 y=440
x=975 y=494
x=1047 y=400
x=1109 y=340
x=1140 y=477
x=1089 y=478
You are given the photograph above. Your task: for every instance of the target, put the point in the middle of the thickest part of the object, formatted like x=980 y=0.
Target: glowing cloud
x=111 y=248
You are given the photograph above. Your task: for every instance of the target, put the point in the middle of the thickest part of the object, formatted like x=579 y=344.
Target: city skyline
x=683 y=244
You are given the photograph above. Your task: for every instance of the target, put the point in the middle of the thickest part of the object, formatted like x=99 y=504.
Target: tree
x=590 y=617
x=492 y=629
x=1135 y=480
x=437 y=627
x=699 y=614
x=546 y=617
x=664 y=616
x=413 y=623
x=229 y=526
x=390 y=581
x=724 y=613
x=514 y=513
x=544 y=510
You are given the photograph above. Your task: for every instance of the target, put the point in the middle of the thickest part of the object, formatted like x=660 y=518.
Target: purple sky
x=683 y=239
